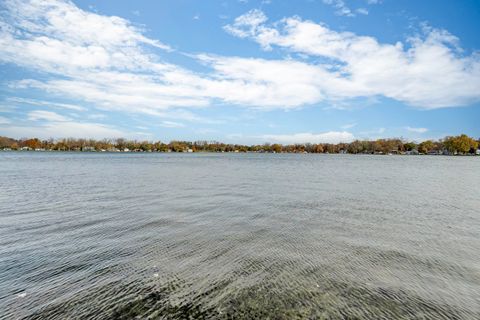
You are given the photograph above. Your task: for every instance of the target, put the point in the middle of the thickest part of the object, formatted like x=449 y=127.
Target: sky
x=240 y=71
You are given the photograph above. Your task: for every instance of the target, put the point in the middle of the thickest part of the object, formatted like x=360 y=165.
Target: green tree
x=461 y=144
x=409 y=146
x=277 y=148
x=425 y=146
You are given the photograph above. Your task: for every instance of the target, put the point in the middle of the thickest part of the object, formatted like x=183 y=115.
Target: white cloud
x=113 y=68
x=417 y=130
x=171 y=124
x=326 y=137
x=45 y=103
x=264 y=83
x=96 y=116
x=348 y=126
x=4 y=120
x=428 y=72
x=362 y=11
x=47 y=116
x=120 y=69
x=341 y=8
x=246 y=25
x=64 y=129
x=58 y=36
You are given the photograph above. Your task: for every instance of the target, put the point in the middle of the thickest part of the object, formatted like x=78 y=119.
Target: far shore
x=448 y=146
x=242 y=152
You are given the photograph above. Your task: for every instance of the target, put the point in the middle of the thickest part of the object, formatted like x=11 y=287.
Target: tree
x=425 y=146
x=355 y=147
x=33 y=143
x=409 y=146
x=277 y=148
x=461 y=144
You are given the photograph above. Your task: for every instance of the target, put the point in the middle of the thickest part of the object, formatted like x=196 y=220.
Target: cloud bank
x=427 y=72
x=121 y=69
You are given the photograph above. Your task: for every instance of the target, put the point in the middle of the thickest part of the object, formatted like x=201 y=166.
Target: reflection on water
x=176 y=236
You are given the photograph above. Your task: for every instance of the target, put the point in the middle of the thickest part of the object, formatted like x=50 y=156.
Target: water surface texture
x=221 y=236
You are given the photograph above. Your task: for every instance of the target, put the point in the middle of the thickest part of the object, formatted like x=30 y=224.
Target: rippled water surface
x=218 y=236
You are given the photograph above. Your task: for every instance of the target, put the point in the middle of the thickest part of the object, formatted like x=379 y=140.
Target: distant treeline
x=462 y=144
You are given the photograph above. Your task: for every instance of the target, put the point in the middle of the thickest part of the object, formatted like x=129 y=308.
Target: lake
x=222 y=236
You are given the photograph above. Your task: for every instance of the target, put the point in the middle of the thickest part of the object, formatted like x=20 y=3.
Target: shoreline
x=450 y=145
x=229 y=152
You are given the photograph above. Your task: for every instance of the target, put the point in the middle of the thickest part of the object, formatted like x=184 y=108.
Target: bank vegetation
x=452 y=145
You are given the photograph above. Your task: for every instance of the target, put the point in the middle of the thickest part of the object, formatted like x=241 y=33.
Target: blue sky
x=240 y=71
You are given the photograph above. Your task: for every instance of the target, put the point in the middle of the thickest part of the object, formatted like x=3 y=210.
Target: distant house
x=413 y=152
x=25 y=148
x=189 y=150
x=7 y=149
x=126 y=150
x=88 y=149
x=477 y=152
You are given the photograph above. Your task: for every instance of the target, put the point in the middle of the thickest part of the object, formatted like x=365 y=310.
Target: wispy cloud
x=96 y=116
x=417 y=130
x=4 y=120
x=373 y=133
x=53 y=104
x=47 y=115
x=171 y=124
x=325 y=137
x=362 y=11
x=120 y=69
x=47 y=124
x=340 y=7
x=430 y=72
x=348 y=126
x=65 y=129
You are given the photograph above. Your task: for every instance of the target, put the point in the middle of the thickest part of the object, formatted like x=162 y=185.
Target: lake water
x=219 y=236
